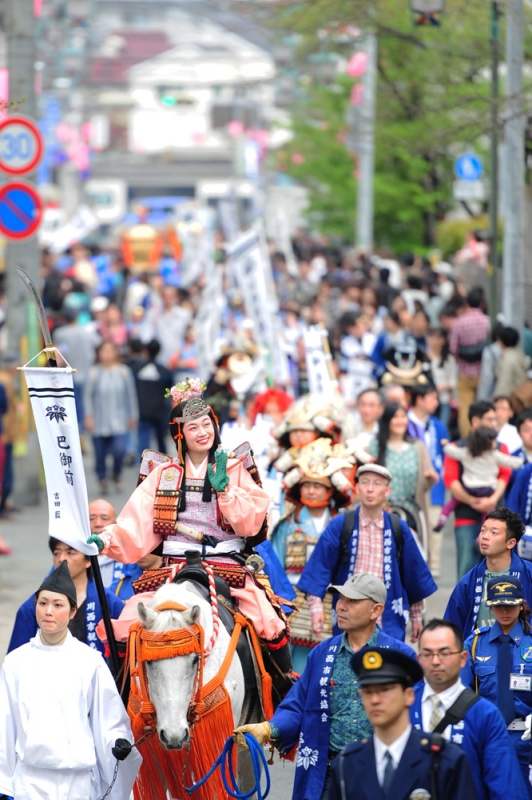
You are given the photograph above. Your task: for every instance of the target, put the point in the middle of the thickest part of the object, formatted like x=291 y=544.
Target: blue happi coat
x=437 y=431
x=303 y=716
x=483 y=736
x=407 y=583
x=26 y=626
x=464 y=602
x=123 y=577
x=519 y=492
x=275 y=572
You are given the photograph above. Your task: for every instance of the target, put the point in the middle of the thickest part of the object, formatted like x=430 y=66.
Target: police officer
x=500 y=663
x=397 y=762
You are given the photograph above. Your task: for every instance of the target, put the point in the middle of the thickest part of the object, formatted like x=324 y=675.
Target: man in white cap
x=323 y=712
x=369 y=539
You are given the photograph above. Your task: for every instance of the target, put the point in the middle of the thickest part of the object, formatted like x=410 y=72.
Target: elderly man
x=116 y=577
x=323 y=711
x=371 y=540
x=102 y=513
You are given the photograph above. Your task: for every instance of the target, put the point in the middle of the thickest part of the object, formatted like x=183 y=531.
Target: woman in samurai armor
x=206 y=502
x=313 y=499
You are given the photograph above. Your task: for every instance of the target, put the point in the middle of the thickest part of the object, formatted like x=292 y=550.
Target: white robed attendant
x=60 y=711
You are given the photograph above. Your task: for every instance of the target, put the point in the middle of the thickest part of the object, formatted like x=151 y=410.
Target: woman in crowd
x=444 y=371
x=409 y=462
x=111 y=409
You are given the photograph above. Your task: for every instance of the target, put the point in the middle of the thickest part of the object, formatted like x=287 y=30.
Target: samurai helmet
x=190 y=403
x=312 y=412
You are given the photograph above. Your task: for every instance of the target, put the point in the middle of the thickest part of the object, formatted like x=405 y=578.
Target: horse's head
x=172 y=680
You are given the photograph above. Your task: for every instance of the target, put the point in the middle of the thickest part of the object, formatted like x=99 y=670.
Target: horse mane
x=188 y=595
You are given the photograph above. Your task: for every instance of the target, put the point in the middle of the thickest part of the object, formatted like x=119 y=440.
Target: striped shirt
x=370 y=556
x=111 y=399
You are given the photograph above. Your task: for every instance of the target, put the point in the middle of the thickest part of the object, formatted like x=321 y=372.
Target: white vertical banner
x=252 y=271
x=318 y=360
x=208 y=322
x=54 y=408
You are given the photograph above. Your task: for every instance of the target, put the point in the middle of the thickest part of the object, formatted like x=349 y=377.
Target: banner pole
x=97 y=575
x=102 y=597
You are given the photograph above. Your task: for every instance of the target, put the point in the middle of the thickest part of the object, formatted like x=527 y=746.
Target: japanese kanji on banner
x=52 y=400
x=318 y=358
x=248 y=262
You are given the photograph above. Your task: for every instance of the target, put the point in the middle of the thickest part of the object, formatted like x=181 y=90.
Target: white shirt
x=107 y=568
x=423 y=423
x=447 y=697
x=396 y=750
x=509 y=436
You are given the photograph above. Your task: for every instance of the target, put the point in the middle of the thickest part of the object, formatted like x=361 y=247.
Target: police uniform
x=505 y=680
x=427 y=761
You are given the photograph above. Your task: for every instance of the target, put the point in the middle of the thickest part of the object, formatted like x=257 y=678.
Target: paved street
x=21 y=574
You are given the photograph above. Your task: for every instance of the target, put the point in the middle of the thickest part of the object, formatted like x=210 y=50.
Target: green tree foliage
x=432 y=104
x=327 y=168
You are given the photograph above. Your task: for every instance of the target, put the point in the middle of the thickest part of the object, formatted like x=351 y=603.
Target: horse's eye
x=195 y=659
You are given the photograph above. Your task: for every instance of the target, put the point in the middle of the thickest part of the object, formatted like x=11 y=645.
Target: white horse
x=171 y=680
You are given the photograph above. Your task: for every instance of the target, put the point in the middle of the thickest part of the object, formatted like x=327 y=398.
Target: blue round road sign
x=20 y=210
x=468 y=167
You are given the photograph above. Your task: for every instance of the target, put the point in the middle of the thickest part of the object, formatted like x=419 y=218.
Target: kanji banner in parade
x=251 y=268
x=318 y=360
x=54 y=408
x=208 y=322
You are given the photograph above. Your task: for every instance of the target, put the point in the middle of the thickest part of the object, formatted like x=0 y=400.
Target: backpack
x=347 y=529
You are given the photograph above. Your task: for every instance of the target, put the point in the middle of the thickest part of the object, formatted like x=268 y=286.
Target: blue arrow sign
x=468 y=167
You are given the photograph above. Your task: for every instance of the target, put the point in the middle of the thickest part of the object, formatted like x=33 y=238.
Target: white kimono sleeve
x=109 y=722
x=8 y=755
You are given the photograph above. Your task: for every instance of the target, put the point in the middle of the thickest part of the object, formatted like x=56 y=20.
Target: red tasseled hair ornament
x=283 y=400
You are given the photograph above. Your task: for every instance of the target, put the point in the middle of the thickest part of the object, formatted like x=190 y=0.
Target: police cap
x=374 y=665
x=505 y=591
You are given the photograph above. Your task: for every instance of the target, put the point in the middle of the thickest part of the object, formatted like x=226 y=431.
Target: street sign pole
x=494 y=199
x=513 y=273
x=20 y=34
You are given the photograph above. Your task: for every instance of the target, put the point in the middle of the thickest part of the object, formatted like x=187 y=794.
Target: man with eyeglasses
x=397 y=762
x=475 y=724
x=376 y=544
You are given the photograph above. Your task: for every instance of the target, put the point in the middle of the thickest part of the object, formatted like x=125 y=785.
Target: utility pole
x=366 y=149
x=494 y=159
x=513 y=297
x=20 y=29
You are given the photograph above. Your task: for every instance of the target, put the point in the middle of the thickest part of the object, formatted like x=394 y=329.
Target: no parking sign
x=21 y=150
x=20 y=210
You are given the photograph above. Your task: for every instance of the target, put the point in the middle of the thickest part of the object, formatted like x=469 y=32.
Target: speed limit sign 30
x=21 y=145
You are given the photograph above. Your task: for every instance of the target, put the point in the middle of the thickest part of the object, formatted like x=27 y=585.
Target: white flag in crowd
x=318 y=361
x=52 y=400
x=208 y=322
x=252 y=270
